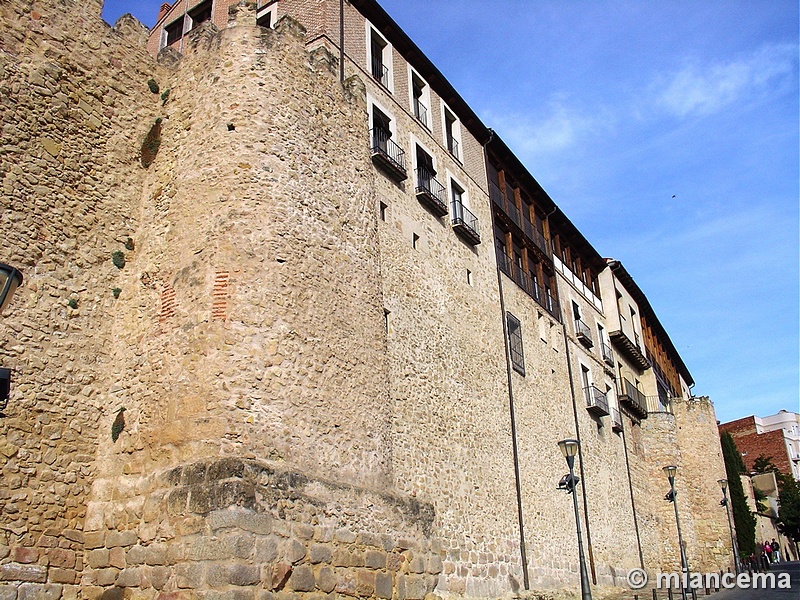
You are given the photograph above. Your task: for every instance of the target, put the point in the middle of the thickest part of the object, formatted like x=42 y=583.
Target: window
x=267 y=15
x=452 y=135
x=174 y=31
x=420 y=99
x=515 y=343
x=456 y=193
x=382 y=213
x=200 y=14
x=380 y=58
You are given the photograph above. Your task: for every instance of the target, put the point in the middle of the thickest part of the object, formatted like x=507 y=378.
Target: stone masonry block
x=20 y=572
x=22 y=554
x=417 y=564
x=383 y=585
x=280 y=574
x=244 y=575
x=98 y=559
x=266 y=549
x=135 y=555
x=294 y=551
x=32 y=591
x=319 y=553
x=121 y=538
x=59 y=557
x=8 y=592
x=159 y=577
x=106 y=576
x=155 y=554
x=434 y=566
x=57 y=575
x=394 y=561
x=346 y=584
x=94 y=539
x=189 y=575
x=375 y=559
x=345 y=536
x=365 y=583
x=411 y=587
x=326 y=580
x=302 y=579
x=130 y=577
x=116 y=557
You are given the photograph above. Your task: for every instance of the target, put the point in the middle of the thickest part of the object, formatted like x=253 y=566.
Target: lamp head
x=10 y=280
x=723 y=483
x=670 y=471
x=569 y=447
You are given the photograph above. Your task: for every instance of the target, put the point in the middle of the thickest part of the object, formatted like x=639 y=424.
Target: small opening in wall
x=386 y=323
x=383 y=208
x=469 y=277
x=231 y=127
x=414 y=240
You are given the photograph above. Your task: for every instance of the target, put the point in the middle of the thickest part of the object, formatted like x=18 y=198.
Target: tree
x=789 y=507
x=764 y=464
x=743 y=519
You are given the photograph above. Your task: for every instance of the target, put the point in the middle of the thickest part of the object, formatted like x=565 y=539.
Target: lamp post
x=569 y=448
x=723 y=483
x=670 y=472
x=10 y=280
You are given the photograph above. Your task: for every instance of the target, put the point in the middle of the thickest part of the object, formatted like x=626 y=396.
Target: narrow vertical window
x=383 y=208
x=414 y=240
x=515 y=344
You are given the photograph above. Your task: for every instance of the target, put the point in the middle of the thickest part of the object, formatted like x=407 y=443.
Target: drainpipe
x=341 y=41
x=580 y=455
x=514 y=446
x=630 y=489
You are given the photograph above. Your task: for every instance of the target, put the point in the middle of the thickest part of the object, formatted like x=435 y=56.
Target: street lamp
x=723 y=483
x=569 y=448
x=10 y=280
x=670 y=473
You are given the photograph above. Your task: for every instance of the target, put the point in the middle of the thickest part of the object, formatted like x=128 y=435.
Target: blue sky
x=615 y=107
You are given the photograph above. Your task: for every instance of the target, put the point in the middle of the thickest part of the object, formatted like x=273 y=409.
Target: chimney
x=162 y=12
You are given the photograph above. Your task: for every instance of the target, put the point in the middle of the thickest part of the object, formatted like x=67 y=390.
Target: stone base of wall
x=235 y=528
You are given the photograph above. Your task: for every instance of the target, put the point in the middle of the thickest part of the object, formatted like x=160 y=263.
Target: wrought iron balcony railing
x=387 y=154
x=633 y=400
x=583 y=333
x=421 y=112
x=465 y=223
x=452 y=147
x=607 y=353
x=380 y=71
x=596 y=401
x=523 y=280
x=616 y=419
x=430 y=192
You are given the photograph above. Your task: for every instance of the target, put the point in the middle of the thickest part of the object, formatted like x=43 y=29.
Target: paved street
x=793 y=568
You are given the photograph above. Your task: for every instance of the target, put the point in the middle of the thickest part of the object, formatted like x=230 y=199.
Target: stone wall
x=75 y=108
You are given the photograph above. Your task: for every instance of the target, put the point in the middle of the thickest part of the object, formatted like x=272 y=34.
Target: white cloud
x=562 y=127
x=704 y=90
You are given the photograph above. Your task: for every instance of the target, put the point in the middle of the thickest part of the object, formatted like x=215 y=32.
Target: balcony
x=616 y=420
x=596 y=401
x=528 y=285
x=509 y=208
x=388 y=155
x=430 y=192
x=421 y=112
x=607 y=354
x=452 y=147
x=465 y=223
x=583 y=333
x=632 y=400
x=659 y=404
x=536 y=237
x=380 y=71
x=629 y=349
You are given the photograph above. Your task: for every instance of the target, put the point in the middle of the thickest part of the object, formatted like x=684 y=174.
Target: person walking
x=776 y=551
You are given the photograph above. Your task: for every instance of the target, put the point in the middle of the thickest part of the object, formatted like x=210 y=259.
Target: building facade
x=776 y=437
x=347 y=326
